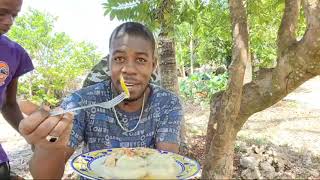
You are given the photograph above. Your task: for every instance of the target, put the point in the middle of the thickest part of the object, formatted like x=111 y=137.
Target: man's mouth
x=130 y=85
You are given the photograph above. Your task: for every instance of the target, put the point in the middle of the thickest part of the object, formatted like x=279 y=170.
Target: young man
x=14 y=62
x=151 y=117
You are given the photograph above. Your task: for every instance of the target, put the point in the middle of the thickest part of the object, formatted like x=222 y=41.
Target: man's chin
x=2 y=32
x=130 y=100
x=133 y=97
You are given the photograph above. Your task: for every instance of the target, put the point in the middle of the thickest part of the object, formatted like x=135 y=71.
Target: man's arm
x=49 y=163
x=10 y=109
x=171 y=147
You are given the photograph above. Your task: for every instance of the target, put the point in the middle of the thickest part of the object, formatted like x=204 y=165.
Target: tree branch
x=311 y=39
x=239 y=52
x=289 y=23
x=263 y=92
x=298 y=63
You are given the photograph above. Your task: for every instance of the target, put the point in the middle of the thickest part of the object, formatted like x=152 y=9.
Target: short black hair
x=136 y=29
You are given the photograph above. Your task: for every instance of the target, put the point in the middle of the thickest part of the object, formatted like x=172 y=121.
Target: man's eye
x=119 y=59
x=141 y=60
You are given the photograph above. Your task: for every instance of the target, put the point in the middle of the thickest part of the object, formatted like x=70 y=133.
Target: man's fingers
x=30 y=123
x=27 y=107
x=61 y=128
x=43 y=129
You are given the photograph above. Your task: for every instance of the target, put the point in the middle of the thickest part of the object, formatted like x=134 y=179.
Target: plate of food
x=134 y=163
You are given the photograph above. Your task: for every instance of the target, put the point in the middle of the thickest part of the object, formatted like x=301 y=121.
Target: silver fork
x=109 y=104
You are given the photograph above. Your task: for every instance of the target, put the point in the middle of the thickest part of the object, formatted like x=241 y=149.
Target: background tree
x=298 y=60
x=59 y=60
x=189 y=17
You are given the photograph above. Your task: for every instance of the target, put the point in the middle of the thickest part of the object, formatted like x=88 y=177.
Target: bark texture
x=221 y=133
x=167 y=60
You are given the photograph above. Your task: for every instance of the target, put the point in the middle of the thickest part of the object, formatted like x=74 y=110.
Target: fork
x=107 y=105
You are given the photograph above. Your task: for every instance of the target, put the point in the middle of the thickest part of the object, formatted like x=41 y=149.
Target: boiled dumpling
x=129 y=167
x=120 y=173
x=161 y=167
x=130 y=162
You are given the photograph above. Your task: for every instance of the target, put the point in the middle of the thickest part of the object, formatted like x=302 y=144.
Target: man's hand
x=50 y=154
x=42 y=130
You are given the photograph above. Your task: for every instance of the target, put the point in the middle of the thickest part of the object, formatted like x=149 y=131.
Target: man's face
x=131 y=56
x=9 y=9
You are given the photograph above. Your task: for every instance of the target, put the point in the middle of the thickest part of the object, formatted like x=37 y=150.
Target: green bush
x=199 y=87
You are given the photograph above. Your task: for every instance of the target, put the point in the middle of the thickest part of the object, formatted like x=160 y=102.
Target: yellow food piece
x=124 y=87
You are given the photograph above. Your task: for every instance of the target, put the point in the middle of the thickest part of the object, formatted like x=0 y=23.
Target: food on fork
x=124 y=86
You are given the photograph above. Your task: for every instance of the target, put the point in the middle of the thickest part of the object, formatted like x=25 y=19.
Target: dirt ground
x=291 y=127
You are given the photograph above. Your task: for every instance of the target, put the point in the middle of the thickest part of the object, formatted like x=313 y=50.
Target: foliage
x=264 y=17
x=213 y=34
x=201 y=86
x=58 y=60
x=140 y=11
x=208 y=25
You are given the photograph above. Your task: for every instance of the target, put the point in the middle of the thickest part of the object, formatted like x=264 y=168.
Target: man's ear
x=108 y=57
x=154 y=64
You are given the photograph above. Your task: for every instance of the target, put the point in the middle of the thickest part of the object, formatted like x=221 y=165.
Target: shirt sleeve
x=169 y=126
x=25 y=63
x=78 y=128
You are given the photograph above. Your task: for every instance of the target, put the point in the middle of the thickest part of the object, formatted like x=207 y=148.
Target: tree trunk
x=183 y=71
x=167 y=61
x=191 y=46
x=248 y=73
x=297 y=62
x=168 y=67
x=221 y=133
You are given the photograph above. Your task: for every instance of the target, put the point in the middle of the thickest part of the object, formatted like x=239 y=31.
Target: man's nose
x=129 y=67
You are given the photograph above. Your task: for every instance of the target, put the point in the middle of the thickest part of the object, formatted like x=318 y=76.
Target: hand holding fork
x=108 y=104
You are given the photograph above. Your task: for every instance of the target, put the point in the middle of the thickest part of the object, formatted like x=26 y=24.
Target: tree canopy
x=58 y=59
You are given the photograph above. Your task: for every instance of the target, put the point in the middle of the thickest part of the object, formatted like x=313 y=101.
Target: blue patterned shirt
x=98 y=128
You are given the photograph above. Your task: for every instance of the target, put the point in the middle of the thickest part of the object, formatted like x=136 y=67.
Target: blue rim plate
x=82 y=164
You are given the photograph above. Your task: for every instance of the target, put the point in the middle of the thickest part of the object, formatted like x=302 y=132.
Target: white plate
x=90 y=164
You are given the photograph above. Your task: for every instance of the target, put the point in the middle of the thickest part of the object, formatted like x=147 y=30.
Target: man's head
x=9 y=9
x=132 y=48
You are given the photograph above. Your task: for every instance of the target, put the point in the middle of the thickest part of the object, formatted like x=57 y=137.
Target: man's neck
x=133 y=106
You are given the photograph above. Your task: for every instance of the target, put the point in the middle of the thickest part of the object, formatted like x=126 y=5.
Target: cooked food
x=124 y=87
x=140 y=163
x=161 y=167
x=131 y=162
x=110 y=161
x=129 y=173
